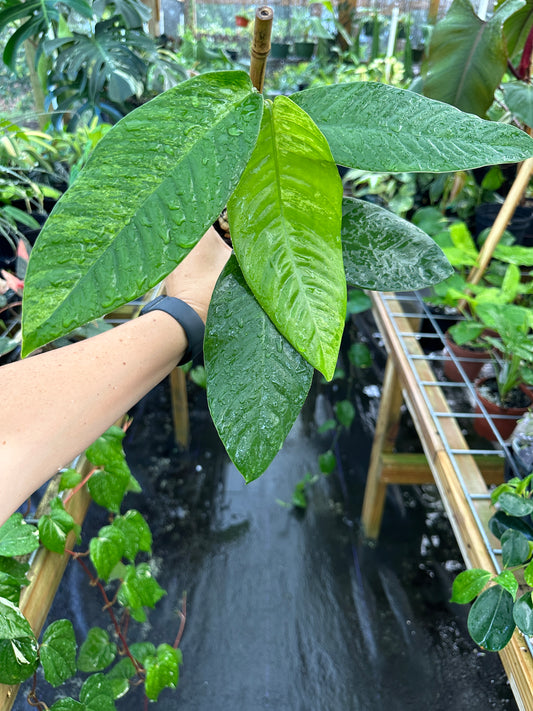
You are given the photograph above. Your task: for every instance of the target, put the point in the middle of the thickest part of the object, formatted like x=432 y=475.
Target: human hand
x=195 y=277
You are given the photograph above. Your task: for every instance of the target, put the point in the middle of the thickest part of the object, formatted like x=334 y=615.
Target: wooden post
x=180 y=407
x=504 y=216
x=189 y=15
x=261 y=45
x=433 y=12
x=153 y=22
x=384 y=441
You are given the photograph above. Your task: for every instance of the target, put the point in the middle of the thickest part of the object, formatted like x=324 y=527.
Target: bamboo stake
x=504 y=216
x=261 y=45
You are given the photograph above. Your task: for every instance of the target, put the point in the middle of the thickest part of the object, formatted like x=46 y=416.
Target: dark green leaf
x=17 y=537
x=12 y=578
x=468 y=584
x=69 y=479
x=106 y=550
x=523 y=614
x=465 y=332
x=67 y=704
x=139 y=589
x=528 y=574
x=256 y=381
x=515 y=505
x=97 y=652
x=14 y=569
x=327 y=462
x=517 y=27
x=375 y=127
x=285 y=221
x=97 y=694
x=109 y=486
x=142 y=650
x=515 y=548
x=467 y=57
x=151 y=188
x=327 y=426
x=386 y=253
x=55 y=526
x=507 y=581
x=501 y=521
x=162 y=671
x=120 y=675
x=58 y=652
x=490 y=621
x=18 y=646
x=136 y=533
x=359 y=354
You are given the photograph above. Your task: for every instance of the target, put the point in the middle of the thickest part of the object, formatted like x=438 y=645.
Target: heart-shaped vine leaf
x=139 y=589
x=490 y=620
x=18 y=646
x=55 y=527
x=58 y=652
x=106 y=550
x=256 y=381
x=386 y=253
x=376 y=127
x=285 y=220
x=97 y=652
x=151 y=188
x=162 y=671
x=18 y=537
x=97 y=694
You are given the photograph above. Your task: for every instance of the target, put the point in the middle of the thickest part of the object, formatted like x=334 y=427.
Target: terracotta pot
x=471 y=361
x=504 y=427
x=241 y=21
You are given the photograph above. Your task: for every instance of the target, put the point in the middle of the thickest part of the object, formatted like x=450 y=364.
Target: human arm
x=64 y=399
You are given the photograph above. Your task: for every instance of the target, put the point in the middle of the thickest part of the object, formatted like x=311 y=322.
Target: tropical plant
x=503 y=601
x=160 y=178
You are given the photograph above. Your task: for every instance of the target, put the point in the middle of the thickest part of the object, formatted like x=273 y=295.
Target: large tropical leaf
x=285 y=221
x=38 y=18
x=256 y=381
x=518 y=97
x=516 y=28
x=132 y=12
x=386 y=253
x=379 y=128
x=467 y=57
x=151 y=188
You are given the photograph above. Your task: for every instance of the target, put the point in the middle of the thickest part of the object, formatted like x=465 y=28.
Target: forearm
x=57 y=403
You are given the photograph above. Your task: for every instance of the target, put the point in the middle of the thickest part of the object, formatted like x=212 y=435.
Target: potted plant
x=242 y=20
x=503 y=393
x=504 y=601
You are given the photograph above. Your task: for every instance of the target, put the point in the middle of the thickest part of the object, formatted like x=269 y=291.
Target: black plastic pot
x=304 y=50
x=520 y=226
x=279 y=50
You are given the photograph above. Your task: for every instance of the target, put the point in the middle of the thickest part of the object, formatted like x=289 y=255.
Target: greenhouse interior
x=266 y=328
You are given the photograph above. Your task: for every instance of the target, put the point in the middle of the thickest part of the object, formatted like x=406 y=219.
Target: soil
x=516 y=398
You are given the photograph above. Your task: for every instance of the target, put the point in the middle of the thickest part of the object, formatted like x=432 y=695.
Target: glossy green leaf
x=97 y=694
x=55 y=527
x=507 y=581
x=120 y=675
x=97 y=652
x=12 y=578
x=67 y=704
x=17 y=537
x=136 y=532
x=109 y=486
x=515 y=505
x=380 y=128
x=152 y=186
x=107 y=448
x=142 y=650
x=57 y=652
x=139 y=589
x=69 y=479
x=10 y=588
x=516 y=28
x=285 y=221
x=106 y=550
x=523 y=614
x=386 y=253
x=515 y=548
x=468 y=584
x=358 y=301
x=467 y=57
x=327 y=462
x=162 y=671
x=490 y=621
x=501 y=521
x=256 y=381
x=18 y=646
x=518 y=97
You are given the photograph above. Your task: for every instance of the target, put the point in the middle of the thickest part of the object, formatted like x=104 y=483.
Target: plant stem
x=183 y=616
x=260 y=45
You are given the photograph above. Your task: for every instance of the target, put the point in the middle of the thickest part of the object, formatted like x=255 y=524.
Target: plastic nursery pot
x=279 y=50
x=472 y=360
x=519 y=226
x=304 y=50
x=504 y=427
x=241 y=21
x=444 y=317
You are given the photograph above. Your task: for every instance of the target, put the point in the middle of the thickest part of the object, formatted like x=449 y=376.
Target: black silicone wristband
x=188 y=319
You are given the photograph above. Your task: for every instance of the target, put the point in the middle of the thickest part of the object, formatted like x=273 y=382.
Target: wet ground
x=291 y=611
